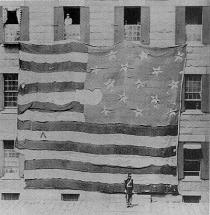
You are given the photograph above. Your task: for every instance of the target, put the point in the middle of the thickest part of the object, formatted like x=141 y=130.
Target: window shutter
x=206 y=26
x=118 y=24
x=1 y=158
x=145 y=25
x=1 y=26
x=183 y=96
x=180 y=34
x=1 y=91
x=205 y=161
x=24 y=24
x=21 y=165
x=58 y=23
x=85 y=24
x=180 y=160
x=205 y=100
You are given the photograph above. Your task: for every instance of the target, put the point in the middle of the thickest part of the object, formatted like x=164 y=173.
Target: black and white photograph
x=104 y=107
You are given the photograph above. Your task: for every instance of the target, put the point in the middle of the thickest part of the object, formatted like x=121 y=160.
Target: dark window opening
x=191 y=199
x=70 y=197
x=10 y=196
x=132 y=15
x=74 y=14
x=8 y=144
x=11 y=17
x=192 y=92
x=192 y=160
x=193 y=15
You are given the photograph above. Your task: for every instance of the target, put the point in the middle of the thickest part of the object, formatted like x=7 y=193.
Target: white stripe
x=55 y=116
x=28 y=77
x=54 y=58
x=101 y=139
x=61 y=98
x=115 y=160
x=99 y=177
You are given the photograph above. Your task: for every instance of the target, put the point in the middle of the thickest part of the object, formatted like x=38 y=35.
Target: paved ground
x=99 y=208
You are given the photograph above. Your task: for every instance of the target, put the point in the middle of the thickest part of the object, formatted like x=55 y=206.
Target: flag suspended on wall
x=87 y=116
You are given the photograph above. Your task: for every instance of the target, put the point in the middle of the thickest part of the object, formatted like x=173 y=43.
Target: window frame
x=191 y=92
x=5 y=24
x=132 y=31
x=70 y=197
x=193 y=147
x=194 y=27
x=10 y=91
x=3 y=195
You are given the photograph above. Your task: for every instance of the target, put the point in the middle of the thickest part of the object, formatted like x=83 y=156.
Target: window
x=11 y=163
x=8 y=144
x=70 y=197
x=11 y=24
x=191 y=199
x=193 y=20
x=10 y=196
x=10 y=90
x=132 y=23
x=193 y=16
x=192 y=92
x=192 y=160
x=72 y=22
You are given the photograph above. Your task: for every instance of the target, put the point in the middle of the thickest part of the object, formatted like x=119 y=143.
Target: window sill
x=191 y=178
x=9 y=110
x=190 y=112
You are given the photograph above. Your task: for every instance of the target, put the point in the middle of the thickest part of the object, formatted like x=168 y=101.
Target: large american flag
x=87 y=116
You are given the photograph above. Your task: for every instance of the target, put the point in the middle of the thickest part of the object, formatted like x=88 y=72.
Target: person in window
x=68 y=20
x=128 y=190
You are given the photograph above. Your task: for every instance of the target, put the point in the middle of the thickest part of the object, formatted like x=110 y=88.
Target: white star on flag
x=156 y=71
x=179 y=56
x=143 y=55
x=105 y=111
x=174 y=84
x=140 y=83
x=124 y=67
x=123 y=98
x=155 y=100
x=138 y=112
x=112 y=55
x=110 y=84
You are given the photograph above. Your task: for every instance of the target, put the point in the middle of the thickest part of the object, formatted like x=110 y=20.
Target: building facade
x=155 y=23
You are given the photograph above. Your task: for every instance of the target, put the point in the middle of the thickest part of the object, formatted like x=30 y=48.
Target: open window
x=11 y=20
x=132 y=23
x=193 y=20
x=72 y=22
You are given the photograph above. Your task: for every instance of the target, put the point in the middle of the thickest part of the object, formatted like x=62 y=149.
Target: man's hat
x=129 y=174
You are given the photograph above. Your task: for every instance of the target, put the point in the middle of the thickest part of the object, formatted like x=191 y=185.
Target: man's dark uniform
x=129 y=190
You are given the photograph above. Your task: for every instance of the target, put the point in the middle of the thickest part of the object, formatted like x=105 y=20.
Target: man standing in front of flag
x=129 y=190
